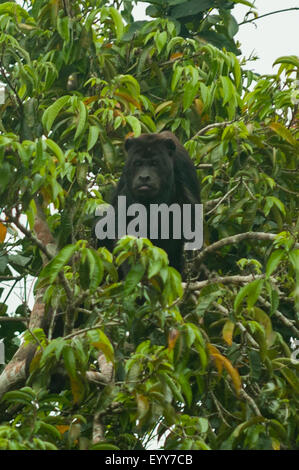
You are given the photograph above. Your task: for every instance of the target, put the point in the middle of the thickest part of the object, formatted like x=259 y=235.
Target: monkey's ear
x=170 y=145
x=128 y=143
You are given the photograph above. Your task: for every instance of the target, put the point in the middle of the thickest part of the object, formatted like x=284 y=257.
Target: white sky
x=272 y=37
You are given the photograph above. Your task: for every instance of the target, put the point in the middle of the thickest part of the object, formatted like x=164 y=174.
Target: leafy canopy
x=208 y=367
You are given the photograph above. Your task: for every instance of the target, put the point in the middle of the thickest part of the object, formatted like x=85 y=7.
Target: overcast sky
x=270 y=37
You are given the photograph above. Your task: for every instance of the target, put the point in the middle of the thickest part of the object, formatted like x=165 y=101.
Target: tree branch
x=16 y=371
x=251 y=402
x=7 y=80
x=107 y=373
x=212 y=126
x=224 y=197
x=237 y=239
x=9 y=319
x=268 y=14
x=30 y=235
x=223 y=280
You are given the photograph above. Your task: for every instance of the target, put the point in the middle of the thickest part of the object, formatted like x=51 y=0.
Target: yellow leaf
x=62 y=428
x=215 y=355
x=222 y=361
x=275 y=444
x=227 y=332
x=162 y=106
x=283 y=132
x=77 y=389
x=128 y=98
x=176 y=55
x=172 y=338
x=235 y=376
x=3 y=231
x=198 y=106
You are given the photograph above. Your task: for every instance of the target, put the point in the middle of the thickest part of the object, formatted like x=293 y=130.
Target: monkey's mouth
x=145 y=187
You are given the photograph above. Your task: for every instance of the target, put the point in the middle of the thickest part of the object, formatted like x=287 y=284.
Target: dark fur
x=159 y=170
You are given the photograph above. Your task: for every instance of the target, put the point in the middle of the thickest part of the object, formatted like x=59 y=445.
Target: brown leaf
x=172 y=338
x=3 y=231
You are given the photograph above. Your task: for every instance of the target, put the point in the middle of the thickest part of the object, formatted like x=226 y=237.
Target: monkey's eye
x=154 y=162
x=138 y=163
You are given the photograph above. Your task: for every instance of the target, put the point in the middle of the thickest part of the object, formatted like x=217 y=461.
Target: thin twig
x=287 y=190
x=223 y=280
x=251 y=402
x=31 y=237
x=7 y=80
x=268 y=14
x=8 y=319
x=212 y=126
x=281 y=317
x=224 y=197
x=262 y=236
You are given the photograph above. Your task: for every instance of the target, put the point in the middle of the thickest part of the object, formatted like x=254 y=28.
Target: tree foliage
x=206 y=364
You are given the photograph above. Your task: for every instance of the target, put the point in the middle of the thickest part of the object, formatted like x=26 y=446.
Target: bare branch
x=9 y=319
x=30 y=235
x=107 y=373
x=212 y=126
x=224 y=197
x=237 y=239
x=281 y=317
x=251 y=402
x=223 y=280
x=267 y=14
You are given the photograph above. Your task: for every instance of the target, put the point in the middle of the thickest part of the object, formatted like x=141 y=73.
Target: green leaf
x=186 y=388
x=52 y=112
x=195 y=338
x=263 y=319
x=273 y=296
x=251 y=291
x=133 y=277
x=96 y=269
x=135 y=125
x=63 y=28
x=190 y=92
x=173 y=285
x=51 y=349
x=274 y=261
x=245 y=2
x=283 y=132
x=191 y=8
x=160 y=40
x=49 y=429
x=52 y=269
x=19 y=396
x=255 y=364
x=227 y=87
x=238 y=75
x=232 y=26
x=294 y=258
x=291 y=378
x=289 y=59
x=14 y=10
x=70 y=361
x=56 y=150
x=82 y=118
x=272 y=200
x=93 y=135
x=118 y=22
x=100 y=341
x=104 y=446
x=177 y=73
x=174 y=387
